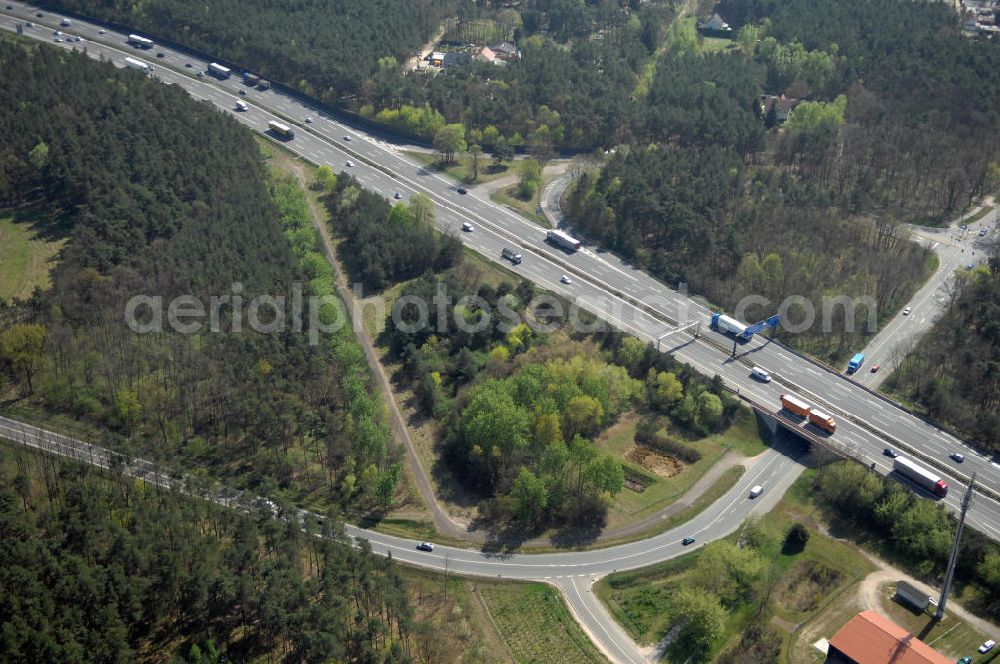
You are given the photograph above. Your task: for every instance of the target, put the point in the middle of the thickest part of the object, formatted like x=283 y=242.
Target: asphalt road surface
x=957 y=248
x=573 y=572
x=602 y=284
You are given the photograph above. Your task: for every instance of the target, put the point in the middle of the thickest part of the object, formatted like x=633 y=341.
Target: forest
x=332 y=51
x=383 y=244
x=97 y=567
x=522 y=398
x=187 y=209
x=914 y=531
x=953 y=371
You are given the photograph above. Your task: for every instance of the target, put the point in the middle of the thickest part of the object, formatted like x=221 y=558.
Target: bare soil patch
x=658 y=464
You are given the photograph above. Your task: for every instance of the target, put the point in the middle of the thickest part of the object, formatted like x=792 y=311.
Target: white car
x=566 y=279
x=987 y=646
x=397 y=195
x=906 y=311
x=101 y=31
x=467 y=227
x=347 y=138
x=350 y=164
x=756 y=491
x=308 y=119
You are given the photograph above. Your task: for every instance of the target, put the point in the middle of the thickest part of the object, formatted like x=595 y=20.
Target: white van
x=760 y=374
x=756 y=491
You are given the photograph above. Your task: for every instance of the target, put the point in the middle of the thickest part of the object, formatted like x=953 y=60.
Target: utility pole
x=950 y=574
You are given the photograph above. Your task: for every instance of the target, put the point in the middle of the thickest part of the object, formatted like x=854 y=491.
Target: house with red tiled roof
x=868 y=638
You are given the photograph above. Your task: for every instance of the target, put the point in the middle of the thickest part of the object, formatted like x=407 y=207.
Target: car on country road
x=566 y=279
x=462 y=190
x=687 y=540
x=957 y=456
x=983 y=232
x=876 y=367
x=756 y=491
x=987 y=646
x=891 y=453
x=425 y=546
x=965 y=660
x=906 y=311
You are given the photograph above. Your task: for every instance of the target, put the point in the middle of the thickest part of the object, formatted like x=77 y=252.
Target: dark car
x=425 y=546
x=891 y=453
x=463 y=190
x=39 y=14
x=687 y=540
x=161 y=54
x=876 y=367
x=188 y=65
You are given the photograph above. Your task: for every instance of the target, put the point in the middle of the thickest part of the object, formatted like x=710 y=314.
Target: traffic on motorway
x=594 y=280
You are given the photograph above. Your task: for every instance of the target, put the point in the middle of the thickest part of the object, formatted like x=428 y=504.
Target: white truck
x=724 y=323
x=132 y=63
x=218 y=71
x=140 y=42
x=563 y=240
x=281 y=130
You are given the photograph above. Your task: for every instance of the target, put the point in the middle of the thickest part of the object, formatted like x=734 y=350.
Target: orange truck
x=822 y=420
x=793 y=404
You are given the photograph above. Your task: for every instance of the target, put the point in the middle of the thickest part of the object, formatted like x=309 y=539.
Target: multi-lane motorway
x=603 y=284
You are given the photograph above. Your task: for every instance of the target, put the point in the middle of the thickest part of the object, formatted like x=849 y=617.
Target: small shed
x=907 y=594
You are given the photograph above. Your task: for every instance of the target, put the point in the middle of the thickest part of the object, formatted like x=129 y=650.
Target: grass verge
x=534 y=622
x=982 y=212
x=461 y=169
x=640 y=599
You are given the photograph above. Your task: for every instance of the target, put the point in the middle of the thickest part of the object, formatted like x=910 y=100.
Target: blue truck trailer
x=855 y=363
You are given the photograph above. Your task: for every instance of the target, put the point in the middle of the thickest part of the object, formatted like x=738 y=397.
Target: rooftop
x=871 y=639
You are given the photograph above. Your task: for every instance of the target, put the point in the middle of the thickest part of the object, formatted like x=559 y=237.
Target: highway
x=605 y=285
x=602 y=283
